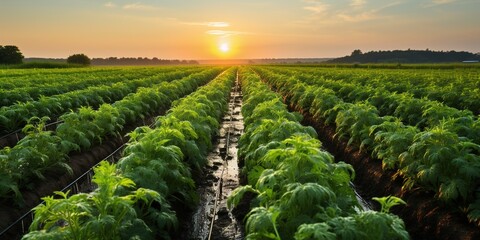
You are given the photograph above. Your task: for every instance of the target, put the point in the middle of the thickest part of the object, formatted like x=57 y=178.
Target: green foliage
x=261 y=223
x=300 y=191
x=45 y=65
x=391 y=139
x=418 y=125
x=305 y=203
x=316 y=231
x=102 y=214
x=440 y=160
x=80 y=59
x=355 y=121
x=87 y=126
x=10 y=177
x=362 y=225
x=237 y=194
x=467 y=127
x=175 y=151
x=43 y=153
x=473 y=209
x=79 y=128
x=60 y=97
x=39 y=151
x=434 y=112
x=377 y=225
x=388 y=202
x=10 y=55
x=154 y=157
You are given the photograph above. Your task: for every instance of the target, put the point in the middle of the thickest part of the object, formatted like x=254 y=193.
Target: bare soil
x=10 y=140
x=212 y=219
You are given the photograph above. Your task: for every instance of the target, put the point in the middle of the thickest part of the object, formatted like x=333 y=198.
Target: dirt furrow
x=212 y=219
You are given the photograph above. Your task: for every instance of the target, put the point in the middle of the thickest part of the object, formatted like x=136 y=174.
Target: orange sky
x=196 y=29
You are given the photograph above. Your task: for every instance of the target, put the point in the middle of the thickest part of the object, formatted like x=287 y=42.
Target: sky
x=240 y=29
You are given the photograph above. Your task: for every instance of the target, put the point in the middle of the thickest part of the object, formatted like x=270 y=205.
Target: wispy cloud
x=316 y=6
x=439 y=2
x=371 y=14
x=224 y=33
x=218 y=24
x=139 y=6
x=355 y=11
x=364 y=16
x=209 y=24
x=110 y=5
x=434 y=3
x=357 y=3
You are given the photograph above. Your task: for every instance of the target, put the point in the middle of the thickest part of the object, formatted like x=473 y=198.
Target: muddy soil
x=11 y=139
x=212 y=219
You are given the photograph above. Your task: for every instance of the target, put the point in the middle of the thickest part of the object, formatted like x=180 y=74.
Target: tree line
x=10 y=55
x=139 y=61
x=407 y=56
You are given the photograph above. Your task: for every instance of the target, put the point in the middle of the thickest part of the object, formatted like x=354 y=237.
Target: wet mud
x=212 y=219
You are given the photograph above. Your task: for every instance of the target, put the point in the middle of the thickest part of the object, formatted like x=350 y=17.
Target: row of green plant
x=15 y=116
x=411 y=110
x=27 y=88
x=19 y=78
x=422 y=113
x=458 y=89
x=116 y=209
x=43 y=153
x=437 y=159
x=300 y=192
x=136 y=198
x=383 y=66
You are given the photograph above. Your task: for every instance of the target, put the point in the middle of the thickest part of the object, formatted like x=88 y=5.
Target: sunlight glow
x=224 y=47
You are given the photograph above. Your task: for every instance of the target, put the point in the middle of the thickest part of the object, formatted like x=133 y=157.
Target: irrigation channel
x=212 y=219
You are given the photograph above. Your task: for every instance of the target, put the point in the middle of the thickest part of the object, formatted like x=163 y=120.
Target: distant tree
x=10 y=55
x=356 y=52
x=138 y=61
x=407 y=56
x=79 y=59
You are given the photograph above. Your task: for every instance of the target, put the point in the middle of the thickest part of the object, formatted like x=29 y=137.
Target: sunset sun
x=224 y=47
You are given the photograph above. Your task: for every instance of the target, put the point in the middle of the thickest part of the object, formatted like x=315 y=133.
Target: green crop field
x=328 y=151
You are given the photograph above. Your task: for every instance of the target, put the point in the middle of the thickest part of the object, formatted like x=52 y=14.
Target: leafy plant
x=355 y=121
x=298 y=187
x=431 y=144
x=388 y=202
x=434 y=160
x=319 y=231
x=102 y=214
x=261 y=223
x=391 y=139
